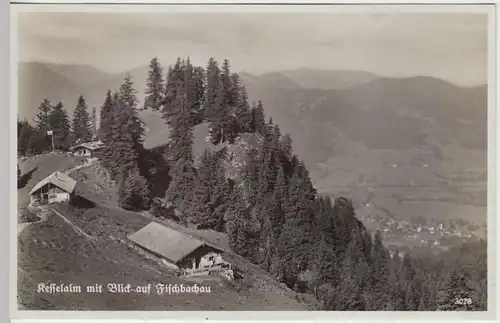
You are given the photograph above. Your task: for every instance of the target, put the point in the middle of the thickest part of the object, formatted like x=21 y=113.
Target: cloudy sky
x=452 y=46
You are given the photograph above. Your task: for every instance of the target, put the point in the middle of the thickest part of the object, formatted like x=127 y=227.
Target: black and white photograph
x=259 y=158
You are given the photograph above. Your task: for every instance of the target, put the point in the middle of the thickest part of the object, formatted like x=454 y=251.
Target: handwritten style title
x=159 y=289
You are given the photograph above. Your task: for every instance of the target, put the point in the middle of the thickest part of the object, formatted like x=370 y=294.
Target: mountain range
x=340 y=121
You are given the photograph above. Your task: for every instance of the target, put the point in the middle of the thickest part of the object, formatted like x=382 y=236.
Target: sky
x=450 y=46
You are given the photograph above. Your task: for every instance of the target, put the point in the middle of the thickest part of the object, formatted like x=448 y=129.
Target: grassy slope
x=52 y=251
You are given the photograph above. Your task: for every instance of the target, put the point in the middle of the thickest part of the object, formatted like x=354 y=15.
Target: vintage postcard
x=294 y=159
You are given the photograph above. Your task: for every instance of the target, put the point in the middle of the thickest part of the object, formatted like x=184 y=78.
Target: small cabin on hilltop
x=181 y=251
x=87 y=149
x=57 y=187
x=60 y=188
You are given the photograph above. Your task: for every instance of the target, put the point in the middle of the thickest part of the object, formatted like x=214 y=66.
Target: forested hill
x=267 y=206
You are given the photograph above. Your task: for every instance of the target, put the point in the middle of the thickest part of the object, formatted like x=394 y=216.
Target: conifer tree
x=273 y=218
x=198 y=94
x=60 y=125
x=19 y=173
x=455 y=288
x=155 y=86
x=240 y=227
x=212 y=93
x=251 y=176
x=42 y=117
x=297 y=236
x=258 y=119
x=380 y=273
x=105 y=131
x=243 y=112
x=81 y=122
x=41 y=141
x=210 y=195
x=125 y=140
x=105 y=120
x=199 y=197
x=93 y=123
x=25 y=138
x=133 y=192
x=127 y=92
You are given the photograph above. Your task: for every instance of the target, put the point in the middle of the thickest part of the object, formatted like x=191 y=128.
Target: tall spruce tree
x=221 y=100
x=105 y=131
x=380 y=274
x=133 y=191
x=241 y=229
x=26 y=136
x=454 y=291
x=297 y=236
x=125 y=140
x=258 y=118
x=105 y=119
x=155 y=86
x=127 y=92
x=93 y=123
x=60 y=125
x=81 y=122
x=180 y=113
x=243 y=112
x=41 y=141
x=42 y=117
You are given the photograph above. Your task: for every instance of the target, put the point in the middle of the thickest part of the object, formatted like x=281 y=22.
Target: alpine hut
x=178 y=249
x=57 y=187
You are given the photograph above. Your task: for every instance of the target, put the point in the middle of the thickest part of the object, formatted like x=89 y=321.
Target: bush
x=26 y=215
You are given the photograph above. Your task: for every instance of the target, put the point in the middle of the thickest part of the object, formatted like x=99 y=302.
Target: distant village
x=414 y=233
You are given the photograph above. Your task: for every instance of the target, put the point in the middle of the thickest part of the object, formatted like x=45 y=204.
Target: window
x=210 y=258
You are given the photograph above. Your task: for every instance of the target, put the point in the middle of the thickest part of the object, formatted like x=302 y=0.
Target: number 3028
x=463 y=301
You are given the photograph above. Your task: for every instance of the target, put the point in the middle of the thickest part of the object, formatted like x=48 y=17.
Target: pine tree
x=199 y=197
x=105 y=131
x=93 y=124
x=349 y=297
x=81 y=122
x=297 y=236
x=240 y=227
x=105 y=120
x=455 y=288
x=183 y=178
x=124 y=142
x=133 y=192
x=60 y=125
x=155 y=86
x=380 y=273
x=258 y=119
x=243 y=112
x=251 y=176
x=42 y=117
x=26 y=135
x=127 y=92
x=210 y=195
x=41 y=141
x=198 y=94
x=212 y=93
x=273 y=218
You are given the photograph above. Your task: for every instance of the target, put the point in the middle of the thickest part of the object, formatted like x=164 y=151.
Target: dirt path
x=73 y=226
x=86 y=164
x=42 y=213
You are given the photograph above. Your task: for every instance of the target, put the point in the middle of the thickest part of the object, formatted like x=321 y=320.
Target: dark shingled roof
x=167 y=242
x=64 y=182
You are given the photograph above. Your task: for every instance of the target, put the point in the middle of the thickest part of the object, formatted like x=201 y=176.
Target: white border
x=471 y=6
